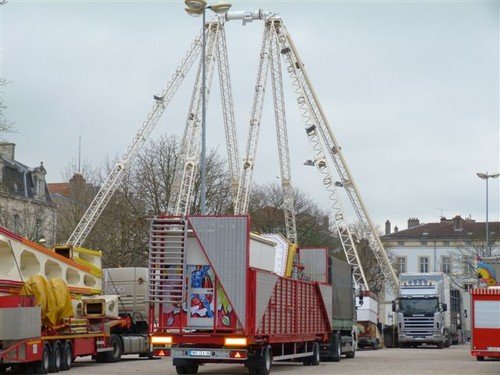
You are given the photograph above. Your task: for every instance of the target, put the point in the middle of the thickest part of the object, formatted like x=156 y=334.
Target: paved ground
x=455 y=360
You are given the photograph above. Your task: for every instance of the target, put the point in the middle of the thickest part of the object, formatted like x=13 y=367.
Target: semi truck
x=427 y=310
x=52 y=309
x=216 y=298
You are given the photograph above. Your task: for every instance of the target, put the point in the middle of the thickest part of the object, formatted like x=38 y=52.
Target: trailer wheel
x=337 y=347
x=264 y=362
x=42 y=366
x=116 y=354
x=67 y=356
x=56 y=357
x=187 y=369
x=353 y=344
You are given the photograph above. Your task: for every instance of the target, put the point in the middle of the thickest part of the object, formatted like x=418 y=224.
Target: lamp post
x=486 y=176
x=197 y=8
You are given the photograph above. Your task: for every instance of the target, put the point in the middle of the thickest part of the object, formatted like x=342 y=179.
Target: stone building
x=26 y=207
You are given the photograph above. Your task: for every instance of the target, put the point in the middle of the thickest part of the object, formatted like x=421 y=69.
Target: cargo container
x=485 y=306
x=215 y=298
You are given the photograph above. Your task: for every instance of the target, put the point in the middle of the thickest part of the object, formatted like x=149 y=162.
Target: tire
x=67 y=356
x=337 y=347
x=56 y=357
x=352 y=354
x=440 y=345
x=268 y=361
x=42 y=366
x=480 y=358
x=116 y=354
x=315 y=359
x=190 y=369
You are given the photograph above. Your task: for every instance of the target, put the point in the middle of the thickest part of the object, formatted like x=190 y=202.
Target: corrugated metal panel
x=495 y=291
x=326 y=293
x=224 y=239
x=20 y=323
x=295 y=308
x=315 y=267
x=265 y=286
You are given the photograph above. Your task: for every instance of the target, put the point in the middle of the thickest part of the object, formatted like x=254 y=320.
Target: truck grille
x=418 y=326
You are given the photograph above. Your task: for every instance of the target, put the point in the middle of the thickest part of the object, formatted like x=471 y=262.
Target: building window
x=468 y=266
x=446 y=265
x=401 y=243
x=401 y=264
x=424 y=243
x=446 y=243
x=423 y=264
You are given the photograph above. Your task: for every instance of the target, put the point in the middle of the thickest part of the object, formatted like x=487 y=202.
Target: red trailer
x=26 y=346
x=485 y=322
x=213 y=306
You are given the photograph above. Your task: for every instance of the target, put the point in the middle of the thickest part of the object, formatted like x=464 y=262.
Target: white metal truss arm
x=111 y=183
x=228 y=113
x=246 y=173
x=334 y=152
x=282 y=138
x=181 y=199
x=322 y=165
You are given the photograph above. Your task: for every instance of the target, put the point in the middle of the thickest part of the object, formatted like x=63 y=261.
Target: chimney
x=387 y=227
x=7 y=150
x=457 y=223
x=396 y=229
x=413 y=222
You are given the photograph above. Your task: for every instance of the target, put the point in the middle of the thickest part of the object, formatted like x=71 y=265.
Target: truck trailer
x=52 y=309
x=485 y=306
x=216 y=299
x=426 y=310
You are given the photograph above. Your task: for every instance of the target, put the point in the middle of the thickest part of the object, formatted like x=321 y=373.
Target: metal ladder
x=168 y=237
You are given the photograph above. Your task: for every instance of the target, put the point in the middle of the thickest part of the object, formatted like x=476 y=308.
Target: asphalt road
x=454 y=360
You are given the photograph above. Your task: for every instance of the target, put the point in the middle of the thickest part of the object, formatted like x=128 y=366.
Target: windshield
x=418 y=306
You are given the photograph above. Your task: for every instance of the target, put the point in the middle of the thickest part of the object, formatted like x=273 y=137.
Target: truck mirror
x=393 y=306
x=445 y=307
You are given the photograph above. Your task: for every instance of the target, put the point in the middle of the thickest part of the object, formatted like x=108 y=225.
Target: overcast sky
x=411 y=90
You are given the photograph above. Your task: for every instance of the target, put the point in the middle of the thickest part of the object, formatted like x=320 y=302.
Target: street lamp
x=197 y=8
x=486 y=176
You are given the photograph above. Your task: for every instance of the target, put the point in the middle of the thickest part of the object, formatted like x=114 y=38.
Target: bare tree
x=72 y=204
x=464 y=260
x=122 y=229
x=5 y=125
x=265 y=209
x=373 y=272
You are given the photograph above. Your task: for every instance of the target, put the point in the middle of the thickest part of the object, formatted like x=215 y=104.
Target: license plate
x=493 y=348
x=200 y=353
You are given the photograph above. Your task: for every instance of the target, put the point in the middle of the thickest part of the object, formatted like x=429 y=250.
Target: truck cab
x=422 y=310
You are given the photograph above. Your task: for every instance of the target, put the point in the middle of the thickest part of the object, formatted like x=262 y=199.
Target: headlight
x=161 y=340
